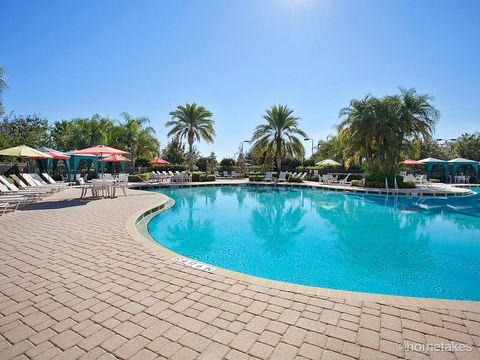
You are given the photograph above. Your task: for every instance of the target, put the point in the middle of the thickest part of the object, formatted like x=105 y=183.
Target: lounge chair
x=282 y=177
x=345 y=180
x=10 y=203
x=50 y=180
x=41 y=182
x=23 y=185
x=268 y=176
x=12 y=189
x=233 y=174
x=226 y=174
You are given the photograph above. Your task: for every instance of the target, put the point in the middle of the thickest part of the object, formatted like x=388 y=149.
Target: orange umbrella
x=113 y=158
x=411 y=162
x=158 y=161
x=57 y=156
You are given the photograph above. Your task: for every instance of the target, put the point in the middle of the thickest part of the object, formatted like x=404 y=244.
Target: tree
x=193 y=123
x=279 y=136
x=467 y=146
x=380 y=129
x=227 y=163
x=30 y=130
x=3 y=86
x=133 y=132
x=174 y=152
x=331 y=148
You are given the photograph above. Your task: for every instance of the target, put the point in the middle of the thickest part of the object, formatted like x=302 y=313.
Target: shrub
x=356 y=182
x=206 y=177
x=196 y=176
x=139 y=177
x=256 y=177
x=407 y=185
x=294 y=179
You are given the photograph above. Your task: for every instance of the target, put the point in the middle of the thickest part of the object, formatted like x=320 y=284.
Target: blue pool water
x=426 y=247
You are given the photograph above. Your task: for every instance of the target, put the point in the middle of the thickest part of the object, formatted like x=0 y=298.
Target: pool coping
x=136 y=227
x=421 y=192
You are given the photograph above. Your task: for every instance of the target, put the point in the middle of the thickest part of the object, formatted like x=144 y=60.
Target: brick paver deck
x=74 y=284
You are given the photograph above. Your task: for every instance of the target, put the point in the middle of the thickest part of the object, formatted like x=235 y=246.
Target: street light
x=306 y=139
x=243 y=155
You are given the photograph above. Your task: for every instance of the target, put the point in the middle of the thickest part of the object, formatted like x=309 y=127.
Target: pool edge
x=136 y=227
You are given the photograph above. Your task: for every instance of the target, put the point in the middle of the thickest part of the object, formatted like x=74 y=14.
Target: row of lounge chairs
x=282 y=176
x=169 y=176
x=25 y=189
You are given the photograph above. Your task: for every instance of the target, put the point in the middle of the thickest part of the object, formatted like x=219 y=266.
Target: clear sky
x=67 y=59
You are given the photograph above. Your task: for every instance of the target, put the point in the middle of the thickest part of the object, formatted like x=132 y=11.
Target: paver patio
x=74 y=284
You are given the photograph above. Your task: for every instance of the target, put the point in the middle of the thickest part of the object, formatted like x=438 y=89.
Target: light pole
x=243 y=155
x=306 y=139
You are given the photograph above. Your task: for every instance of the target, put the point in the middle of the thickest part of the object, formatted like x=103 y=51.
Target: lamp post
x=306 y=139
x=129 y=148
x=243 y=155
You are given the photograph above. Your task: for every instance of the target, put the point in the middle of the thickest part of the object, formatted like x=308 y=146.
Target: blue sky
x=67 y=59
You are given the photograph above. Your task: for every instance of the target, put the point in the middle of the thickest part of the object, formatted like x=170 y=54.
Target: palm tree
x=278 y=138
x=194 y=123
x=134 y=132
x=3 y=86
x=379 y=130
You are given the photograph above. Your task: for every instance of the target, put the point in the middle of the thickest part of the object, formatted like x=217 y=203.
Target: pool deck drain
x=75 y=284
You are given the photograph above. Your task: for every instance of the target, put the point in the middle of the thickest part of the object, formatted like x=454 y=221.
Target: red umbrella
x=99 y=149
x=57 y=156
x=113 y=158
x=411 y=162
x=158 y=161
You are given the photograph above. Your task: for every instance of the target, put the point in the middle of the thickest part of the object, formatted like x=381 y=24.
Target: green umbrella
x=328 y=162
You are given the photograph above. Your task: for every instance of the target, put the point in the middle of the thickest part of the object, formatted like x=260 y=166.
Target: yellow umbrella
x=25 y=152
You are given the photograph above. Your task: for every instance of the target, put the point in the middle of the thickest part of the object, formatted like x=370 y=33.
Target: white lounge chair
x=268 y=176
x=345 y=180
x=282 y=177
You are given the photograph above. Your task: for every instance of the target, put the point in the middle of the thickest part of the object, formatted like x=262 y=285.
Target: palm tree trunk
x=190 y=151
x=278 y=156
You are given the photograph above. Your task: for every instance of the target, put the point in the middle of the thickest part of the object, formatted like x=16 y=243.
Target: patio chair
x=282 y=177
x=225 y=174
x=268 y=176
x=233 y=174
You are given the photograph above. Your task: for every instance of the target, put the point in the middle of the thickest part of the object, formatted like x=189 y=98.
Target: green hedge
x=256 y=177
x=139 y=177
x=294 y=179
x=206 y=177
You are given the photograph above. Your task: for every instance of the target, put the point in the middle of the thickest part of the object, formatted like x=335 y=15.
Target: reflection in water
x=427 y=247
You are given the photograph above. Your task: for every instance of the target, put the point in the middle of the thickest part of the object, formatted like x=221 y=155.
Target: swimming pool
x=423 y=247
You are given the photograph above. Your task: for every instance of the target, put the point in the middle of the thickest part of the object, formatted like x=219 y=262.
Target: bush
x=139 y=177
x=196 y=176
x=294 y=179
x=206 y=177
x=356 y=182
x=256 y=177
x=408 y=185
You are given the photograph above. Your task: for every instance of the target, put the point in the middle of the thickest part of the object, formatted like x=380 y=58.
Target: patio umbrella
x=114 y=158
x=23 y=151
x=158 y=161
x=328 y=162
x=99 y=150
x=411 y=162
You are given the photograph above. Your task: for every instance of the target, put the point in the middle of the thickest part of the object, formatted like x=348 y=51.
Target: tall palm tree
x=3 y=86
x=278 y=137
x=194 y=123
